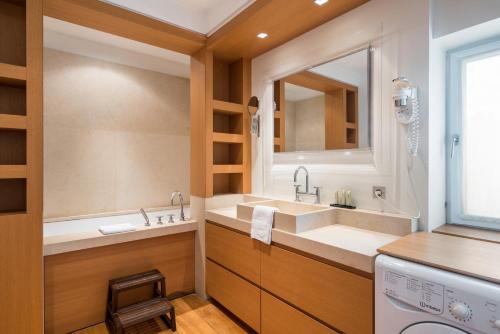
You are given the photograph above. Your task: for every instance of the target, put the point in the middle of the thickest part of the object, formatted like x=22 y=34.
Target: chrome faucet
x=181 y=200
x=146 y=218
x=297 y=186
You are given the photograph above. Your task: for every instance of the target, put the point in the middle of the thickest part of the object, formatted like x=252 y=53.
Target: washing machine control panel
x=477 y=309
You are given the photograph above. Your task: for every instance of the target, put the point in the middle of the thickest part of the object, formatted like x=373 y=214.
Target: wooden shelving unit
x=341 y=110
x=21 y=129
x=223 y=162
x=279 y=116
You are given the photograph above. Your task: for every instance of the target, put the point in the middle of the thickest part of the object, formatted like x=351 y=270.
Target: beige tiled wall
x=116 y=137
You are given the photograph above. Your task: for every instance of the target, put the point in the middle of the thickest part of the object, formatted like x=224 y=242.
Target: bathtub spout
x=146 y=218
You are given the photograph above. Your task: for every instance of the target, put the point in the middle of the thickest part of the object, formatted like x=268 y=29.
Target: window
x=473 y=191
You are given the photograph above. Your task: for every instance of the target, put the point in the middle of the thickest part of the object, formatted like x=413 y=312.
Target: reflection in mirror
x=326 y=107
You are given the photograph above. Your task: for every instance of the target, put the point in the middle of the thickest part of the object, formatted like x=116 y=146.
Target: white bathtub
x=82 y=233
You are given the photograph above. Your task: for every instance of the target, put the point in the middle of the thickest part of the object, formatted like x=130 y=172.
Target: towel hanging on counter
x=262 y=223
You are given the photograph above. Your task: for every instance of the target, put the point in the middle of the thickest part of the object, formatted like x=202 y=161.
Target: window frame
x=457 y=59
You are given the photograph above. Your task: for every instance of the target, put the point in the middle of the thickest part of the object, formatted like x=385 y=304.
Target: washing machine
x=411 y=298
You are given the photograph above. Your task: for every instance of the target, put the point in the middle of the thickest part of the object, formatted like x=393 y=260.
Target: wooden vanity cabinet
x=236 y=294
x=275 y=290
x=233 y=250
x=280 y=318
x=337 y=297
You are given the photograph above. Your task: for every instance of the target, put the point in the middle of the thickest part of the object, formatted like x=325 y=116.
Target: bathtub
x=82 y=233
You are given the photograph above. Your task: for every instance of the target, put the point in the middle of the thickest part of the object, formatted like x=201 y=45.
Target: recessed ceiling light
x=320 y=2
x=262 y=35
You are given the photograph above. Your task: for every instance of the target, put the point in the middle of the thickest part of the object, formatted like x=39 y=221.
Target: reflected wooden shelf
x=14 y=122
x=227 y=169
x=277 y=141
x=12 y=75
x=351 y=125
x=223 y=107
x=277 y=114
x=13 y=172
x=218 y=137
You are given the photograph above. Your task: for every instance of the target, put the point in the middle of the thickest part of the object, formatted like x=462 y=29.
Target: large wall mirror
x=326 y=107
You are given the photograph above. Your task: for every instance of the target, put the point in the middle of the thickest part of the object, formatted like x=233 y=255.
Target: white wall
x=400 y=33
x=454 y=15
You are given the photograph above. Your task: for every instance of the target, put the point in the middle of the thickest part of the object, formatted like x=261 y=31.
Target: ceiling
x=296 y=93
x=73 y=38
x=203 y=16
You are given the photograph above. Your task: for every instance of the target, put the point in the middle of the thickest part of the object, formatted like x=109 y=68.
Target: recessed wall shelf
x=13 y=171
x=12 y=75
x=222 y=107
x=226 y=138
x=227 y=169
x=12 y=122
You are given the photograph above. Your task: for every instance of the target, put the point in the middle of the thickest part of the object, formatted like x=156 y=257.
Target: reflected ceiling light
x=262 y=35
x=320 y=2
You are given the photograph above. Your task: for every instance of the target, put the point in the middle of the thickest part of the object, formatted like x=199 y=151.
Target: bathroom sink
x=293 y=217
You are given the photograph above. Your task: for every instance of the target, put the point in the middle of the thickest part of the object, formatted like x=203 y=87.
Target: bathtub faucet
x=181 y=200
x=146 y=218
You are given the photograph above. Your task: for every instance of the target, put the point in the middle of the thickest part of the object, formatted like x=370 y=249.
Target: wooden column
x=21 y=135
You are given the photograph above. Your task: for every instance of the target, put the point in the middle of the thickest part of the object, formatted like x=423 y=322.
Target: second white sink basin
x=293 y=217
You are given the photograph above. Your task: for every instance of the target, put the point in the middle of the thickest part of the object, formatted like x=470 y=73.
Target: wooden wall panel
x=76 y=282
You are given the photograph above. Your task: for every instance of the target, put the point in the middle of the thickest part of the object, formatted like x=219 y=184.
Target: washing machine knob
x=460 y=310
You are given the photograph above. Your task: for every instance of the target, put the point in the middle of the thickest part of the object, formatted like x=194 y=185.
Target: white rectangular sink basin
x=293 y=217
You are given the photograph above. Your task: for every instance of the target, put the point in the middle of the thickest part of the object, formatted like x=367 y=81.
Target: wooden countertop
x=469 y=232
x=461 y=255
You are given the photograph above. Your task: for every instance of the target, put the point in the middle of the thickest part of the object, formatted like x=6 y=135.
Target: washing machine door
x=432 y=327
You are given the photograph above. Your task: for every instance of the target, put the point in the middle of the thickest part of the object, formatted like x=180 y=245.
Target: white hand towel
x=117 y=228
x=262 y=223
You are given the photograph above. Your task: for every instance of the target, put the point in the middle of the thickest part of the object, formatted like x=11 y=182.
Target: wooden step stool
x=120 y=318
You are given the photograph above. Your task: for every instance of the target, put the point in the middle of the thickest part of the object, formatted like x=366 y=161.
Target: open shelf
x=13 y=195
x=228 y=183
x=13 y=32
x=351 y=107
x=12 y=147
x=223 y=107
x=12 y=122
x=13 y=172
x=351 y=136
x=228 y=154
x=226 y=138
x=12 y=75
x=228 y=123
x=228 y=81
x=227 y=169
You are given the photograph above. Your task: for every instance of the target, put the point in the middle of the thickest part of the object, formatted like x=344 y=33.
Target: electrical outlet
x=380 y=190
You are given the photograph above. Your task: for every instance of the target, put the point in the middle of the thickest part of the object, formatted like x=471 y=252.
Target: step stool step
x=137 y=280
x=142 y=311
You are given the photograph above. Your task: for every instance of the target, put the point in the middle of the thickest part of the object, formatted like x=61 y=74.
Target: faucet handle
x=317 y=193
x=171 y=218
x=159 y=222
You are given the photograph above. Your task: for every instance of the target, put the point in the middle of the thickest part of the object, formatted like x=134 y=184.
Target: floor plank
x=194 y=316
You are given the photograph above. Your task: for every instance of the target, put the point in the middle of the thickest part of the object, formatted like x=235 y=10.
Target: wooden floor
x=193 y=314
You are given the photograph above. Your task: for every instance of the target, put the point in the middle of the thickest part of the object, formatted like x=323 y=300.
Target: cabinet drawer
x=234 y=293
x=337 y=297
x=235 y=251
x=280 y=318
